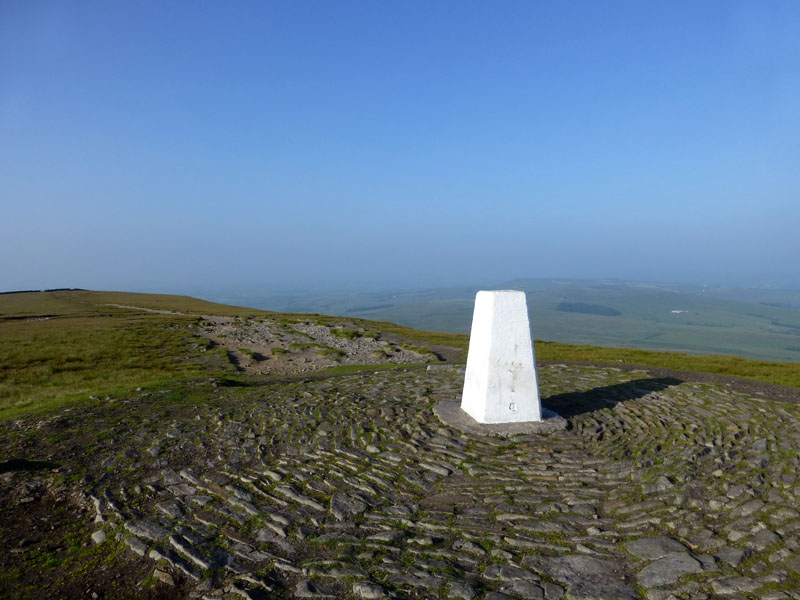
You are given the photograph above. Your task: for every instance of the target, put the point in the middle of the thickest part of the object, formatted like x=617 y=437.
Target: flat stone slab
x=668 y=569
x=450 y=413
x=654 y=547
x=586 y=577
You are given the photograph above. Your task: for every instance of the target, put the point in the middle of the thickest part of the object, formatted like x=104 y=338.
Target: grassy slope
x=60 y=347
x=56 y=346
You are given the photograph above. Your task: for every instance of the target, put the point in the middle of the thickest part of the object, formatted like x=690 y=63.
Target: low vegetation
x=783 y=373
x=62 y=347
x=54 y=349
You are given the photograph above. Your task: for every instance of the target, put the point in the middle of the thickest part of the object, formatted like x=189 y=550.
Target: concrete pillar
x=500 y=384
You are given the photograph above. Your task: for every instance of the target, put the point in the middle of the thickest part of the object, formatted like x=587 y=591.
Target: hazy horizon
x=161 y=147
x=224 y=292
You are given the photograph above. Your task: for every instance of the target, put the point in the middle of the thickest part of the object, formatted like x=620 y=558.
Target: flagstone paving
x=351 y=487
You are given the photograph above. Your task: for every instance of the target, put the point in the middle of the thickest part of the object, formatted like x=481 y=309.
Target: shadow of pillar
x=577 y=403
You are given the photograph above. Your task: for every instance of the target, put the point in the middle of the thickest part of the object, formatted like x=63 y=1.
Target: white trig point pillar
x=500 y=383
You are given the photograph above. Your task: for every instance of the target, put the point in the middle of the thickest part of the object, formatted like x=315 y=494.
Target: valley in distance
x=162 y=446
x=749 y=322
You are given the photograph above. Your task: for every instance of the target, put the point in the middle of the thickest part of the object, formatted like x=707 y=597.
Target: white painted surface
x=500 y=383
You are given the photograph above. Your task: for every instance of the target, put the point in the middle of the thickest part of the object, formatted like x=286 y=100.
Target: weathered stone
x=497 y=596
x=170 y=477
x=292 y=494
x=147 y=528
x=467 y=546
x=425 y=581
x=368 y=590
x=182 y=545
x=461 y=590
x=199 y=499
x=734 y=585
x=552 y=591
x=164 y=576
x=763 y=540
x=525 y=589
x=243 y=504
x=171 y=508
x=707 y=561
x=189 y=476
x=391 y=537
x=344 y=506
x=661 y=485
x=183 y=489
x=175 y=561
x=250 y=593
x=136 y=545
x=508 y=573
x=654 y=547
x=747 y=509
x=586 y=577
x=99 y=536
x=270 y=531
x=668 y=569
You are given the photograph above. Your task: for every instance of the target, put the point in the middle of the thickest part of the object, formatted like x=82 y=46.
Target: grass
x=60 y=348
x=414 y=348
x=783 y=373
x=330 y=352
x=84 y=349
x=348 y=334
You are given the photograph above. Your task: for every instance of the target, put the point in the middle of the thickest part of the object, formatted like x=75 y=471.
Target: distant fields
x=763 y=325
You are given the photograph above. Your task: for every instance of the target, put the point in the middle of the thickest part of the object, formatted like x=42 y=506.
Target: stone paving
x=351 y=487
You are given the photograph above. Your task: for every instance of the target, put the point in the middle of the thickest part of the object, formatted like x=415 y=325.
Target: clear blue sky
x=145 y=145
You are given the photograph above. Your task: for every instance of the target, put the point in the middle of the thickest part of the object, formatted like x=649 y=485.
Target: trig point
x=500 y=383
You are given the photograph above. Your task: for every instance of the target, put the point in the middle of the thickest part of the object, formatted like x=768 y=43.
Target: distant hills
x=753 y=323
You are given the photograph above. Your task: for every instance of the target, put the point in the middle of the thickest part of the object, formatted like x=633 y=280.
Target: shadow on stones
x=20 y=464
x=577 y=403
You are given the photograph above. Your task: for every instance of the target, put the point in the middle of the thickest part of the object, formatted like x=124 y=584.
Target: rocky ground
x=350 y=487
x=269 y=346
x=265 y=346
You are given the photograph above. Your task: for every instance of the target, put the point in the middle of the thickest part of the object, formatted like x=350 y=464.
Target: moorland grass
x=83 y=349
x=783 y=373
x=58 y=348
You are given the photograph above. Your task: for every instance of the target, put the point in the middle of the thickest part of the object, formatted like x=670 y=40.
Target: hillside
x=167 y=447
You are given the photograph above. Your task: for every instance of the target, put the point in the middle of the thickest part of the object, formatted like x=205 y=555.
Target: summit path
x=350 y=487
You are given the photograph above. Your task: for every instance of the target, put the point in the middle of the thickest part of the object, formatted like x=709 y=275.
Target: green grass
x=784 y=373
x=414 y=348
x=330 y=352
x=89 y=349
x=348 y=334
x=60 y=348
